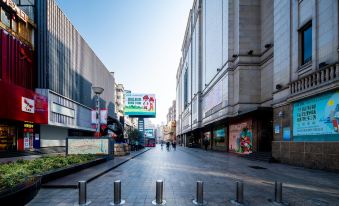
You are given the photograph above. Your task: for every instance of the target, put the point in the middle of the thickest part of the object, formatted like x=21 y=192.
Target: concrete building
x=67 y=70
x=306 y=83
x=224 y=79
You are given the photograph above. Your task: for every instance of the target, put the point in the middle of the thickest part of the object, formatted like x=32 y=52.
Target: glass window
x=186 y=88
x=306 y=35
x=5 y=18
x=219 y=137
x=14 y=25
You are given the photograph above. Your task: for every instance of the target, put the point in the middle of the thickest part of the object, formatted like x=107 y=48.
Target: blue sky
x=140 y=40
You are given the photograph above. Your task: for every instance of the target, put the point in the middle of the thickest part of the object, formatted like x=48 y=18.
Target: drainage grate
x=258 y=167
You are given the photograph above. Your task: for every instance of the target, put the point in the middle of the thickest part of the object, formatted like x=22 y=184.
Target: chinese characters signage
x=317 y=116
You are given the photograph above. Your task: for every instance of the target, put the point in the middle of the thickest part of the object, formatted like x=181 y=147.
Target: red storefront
x=21 y=109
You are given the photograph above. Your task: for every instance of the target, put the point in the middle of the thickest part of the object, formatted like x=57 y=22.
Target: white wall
x=51 y=136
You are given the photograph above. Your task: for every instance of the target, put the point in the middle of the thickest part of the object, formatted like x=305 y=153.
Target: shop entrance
x=8 y=137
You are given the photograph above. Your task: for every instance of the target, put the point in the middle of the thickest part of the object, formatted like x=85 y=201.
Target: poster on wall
x=286 y=134
x=317 y=116
x=241 y=138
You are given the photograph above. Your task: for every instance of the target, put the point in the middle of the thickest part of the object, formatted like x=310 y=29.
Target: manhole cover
x=257 y=167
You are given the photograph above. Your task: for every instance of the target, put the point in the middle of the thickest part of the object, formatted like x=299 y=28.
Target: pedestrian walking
x=174 y=145
x=167 y=146
x=206 y=143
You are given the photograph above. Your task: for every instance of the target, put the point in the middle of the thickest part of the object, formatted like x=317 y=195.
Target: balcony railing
x=318 y=78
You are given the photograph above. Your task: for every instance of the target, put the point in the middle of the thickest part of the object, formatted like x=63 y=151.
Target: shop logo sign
x=27 y=105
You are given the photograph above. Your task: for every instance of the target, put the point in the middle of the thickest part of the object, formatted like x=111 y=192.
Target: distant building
x=171 y=115
x=119 y=100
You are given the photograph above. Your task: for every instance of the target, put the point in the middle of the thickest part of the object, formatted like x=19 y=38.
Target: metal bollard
x=200 y=194
x=117 y=194
x=278 y=192
x=82 y=185
x=159 y=193
x=240 y=192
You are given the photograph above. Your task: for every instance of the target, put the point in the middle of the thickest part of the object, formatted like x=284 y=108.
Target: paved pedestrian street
x=181 y=169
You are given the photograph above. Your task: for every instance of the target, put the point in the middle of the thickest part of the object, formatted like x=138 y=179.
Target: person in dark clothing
x=167 y=146
x=205 y=142
x=174 y=145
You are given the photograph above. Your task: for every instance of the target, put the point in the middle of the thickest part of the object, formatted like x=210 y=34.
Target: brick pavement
x=182 y=168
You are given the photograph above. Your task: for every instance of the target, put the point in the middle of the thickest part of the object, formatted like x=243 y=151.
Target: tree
x=133 y=135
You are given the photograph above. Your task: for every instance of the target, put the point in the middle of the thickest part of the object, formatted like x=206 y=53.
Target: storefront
x=220 y=138
x=252 y=132
x=21 y=112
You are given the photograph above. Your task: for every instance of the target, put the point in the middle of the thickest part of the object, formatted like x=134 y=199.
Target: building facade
x=67 y=69
x=22 y=109
x=119 y=100
x=224 y=79
x=262 y=76
x=171 y=115
x=306 y=83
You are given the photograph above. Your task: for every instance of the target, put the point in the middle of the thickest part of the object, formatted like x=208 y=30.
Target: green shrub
x=14 y=173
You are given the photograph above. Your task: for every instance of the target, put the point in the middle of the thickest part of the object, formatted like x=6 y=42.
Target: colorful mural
x=241 y=138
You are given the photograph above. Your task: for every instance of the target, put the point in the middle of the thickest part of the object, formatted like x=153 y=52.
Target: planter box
x=55 y=174
x=22 y=193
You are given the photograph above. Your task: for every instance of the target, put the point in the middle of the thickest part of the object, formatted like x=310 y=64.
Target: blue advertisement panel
x=317 y=117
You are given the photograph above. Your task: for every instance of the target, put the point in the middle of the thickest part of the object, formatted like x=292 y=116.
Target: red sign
x=11 y=104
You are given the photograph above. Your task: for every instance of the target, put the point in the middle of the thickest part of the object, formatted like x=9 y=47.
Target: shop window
x=6 y=18
x=7 y=137
x=306 y=43
x=219 y=137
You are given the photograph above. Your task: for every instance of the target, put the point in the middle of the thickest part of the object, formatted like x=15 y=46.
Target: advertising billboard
x=140 y=105
x=317 y=116
x=149 y=133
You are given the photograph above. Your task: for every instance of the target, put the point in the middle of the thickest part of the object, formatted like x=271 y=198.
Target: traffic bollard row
x=159 y=196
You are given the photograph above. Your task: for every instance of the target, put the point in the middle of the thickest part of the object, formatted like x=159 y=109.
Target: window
x=306 y=43
x=5 y=18
x=186 y=88
x=14 y=25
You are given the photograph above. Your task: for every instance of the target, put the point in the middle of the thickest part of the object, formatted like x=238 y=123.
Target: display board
x=88 y=146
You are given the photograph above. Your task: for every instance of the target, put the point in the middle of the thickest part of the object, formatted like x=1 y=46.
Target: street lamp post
x=97 y=91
